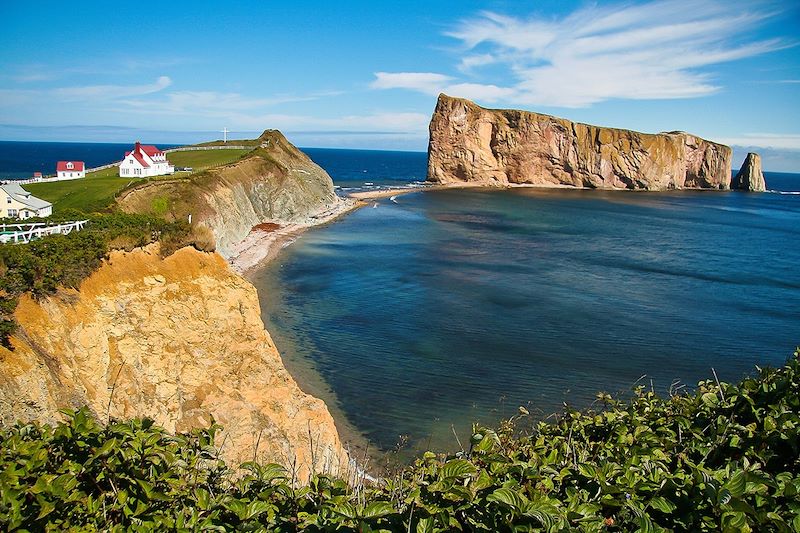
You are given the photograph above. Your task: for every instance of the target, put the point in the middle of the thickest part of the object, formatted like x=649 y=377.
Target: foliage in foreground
x=43 y=265
x=722 y=459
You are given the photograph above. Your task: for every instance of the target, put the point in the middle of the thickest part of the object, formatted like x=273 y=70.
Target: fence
x=24 y=233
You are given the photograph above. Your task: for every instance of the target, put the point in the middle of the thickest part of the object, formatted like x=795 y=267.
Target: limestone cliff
x=750 y=177
x=179 y=340
x=497 y=147
x=275 y=182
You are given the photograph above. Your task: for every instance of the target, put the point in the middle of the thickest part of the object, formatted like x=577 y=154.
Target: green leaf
x=737 y=484
x=509 y=497
x=457 y=468
x=662 y=504
x=377 y=510
x=425 y=525
x=710 y=399
x=346 y=509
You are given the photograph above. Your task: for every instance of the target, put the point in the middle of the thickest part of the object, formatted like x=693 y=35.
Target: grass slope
x=97 y=190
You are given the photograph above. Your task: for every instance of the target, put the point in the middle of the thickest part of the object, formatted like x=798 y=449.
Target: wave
x=784 y=192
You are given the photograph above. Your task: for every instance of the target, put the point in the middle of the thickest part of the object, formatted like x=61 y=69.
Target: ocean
x=422 y=315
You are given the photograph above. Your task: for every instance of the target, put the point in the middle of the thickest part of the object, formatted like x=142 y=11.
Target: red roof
x=149 y=149
x=137 y=153
x=61 y=166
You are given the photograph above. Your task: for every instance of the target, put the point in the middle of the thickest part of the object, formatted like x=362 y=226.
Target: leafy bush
x=43 y=265
x=722 y=459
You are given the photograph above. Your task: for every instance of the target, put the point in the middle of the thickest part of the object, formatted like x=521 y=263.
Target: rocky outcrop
x=179 y=340
x=275 y=182
x=499 y=147
x=750 y=177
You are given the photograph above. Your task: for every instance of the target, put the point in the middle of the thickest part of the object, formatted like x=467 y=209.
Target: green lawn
x=202 y=159
x=96 y=191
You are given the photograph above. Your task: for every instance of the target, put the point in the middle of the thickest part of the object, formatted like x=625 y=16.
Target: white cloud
x=778 y=141
x=426 y=82
x=111 y=91
x=433 y=84
x=470 y=63
x=658 y=50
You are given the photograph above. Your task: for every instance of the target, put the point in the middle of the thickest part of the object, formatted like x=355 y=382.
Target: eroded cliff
x=179 y=340
x=276 y=182
x=469 y=143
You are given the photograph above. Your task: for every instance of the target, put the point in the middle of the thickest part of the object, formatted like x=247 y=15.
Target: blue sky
x=366 y=74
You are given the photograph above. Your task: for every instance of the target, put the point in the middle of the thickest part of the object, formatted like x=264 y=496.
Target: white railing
x=24 y=233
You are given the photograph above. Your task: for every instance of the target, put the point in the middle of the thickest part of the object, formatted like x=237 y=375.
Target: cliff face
x=179 y=340
x=276 y=182
x=497 y=147
x=750 y=177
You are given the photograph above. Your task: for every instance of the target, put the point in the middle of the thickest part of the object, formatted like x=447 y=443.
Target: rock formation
x=498 y=147
x=750 y=177
x=275 y=182
x=179 y=340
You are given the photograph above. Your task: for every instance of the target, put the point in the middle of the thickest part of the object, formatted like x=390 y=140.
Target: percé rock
x=499 y=147
x=750 y=177
x=179 y=340
x=275 y=182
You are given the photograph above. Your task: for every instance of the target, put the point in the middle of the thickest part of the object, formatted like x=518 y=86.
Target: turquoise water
x=455 y=306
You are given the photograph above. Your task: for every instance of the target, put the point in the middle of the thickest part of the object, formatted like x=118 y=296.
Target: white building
x=70 y=169
x=145 y=161
x=19 y=203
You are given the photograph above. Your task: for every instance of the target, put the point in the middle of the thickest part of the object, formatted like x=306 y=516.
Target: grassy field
x=203 y=159
x=96 y=191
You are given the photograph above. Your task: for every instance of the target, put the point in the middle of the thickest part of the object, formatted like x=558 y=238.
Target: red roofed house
x=144 y=161
x=70 y=169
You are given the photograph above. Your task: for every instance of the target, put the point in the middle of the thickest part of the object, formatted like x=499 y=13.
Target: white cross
x=225 y=135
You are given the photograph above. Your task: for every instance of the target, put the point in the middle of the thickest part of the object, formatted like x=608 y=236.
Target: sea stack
x=750 y=177
x=472 y=144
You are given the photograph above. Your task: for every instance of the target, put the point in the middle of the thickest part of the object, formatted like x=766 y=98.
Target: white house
x=70 y=169
x=19 y=203
x=144 y=161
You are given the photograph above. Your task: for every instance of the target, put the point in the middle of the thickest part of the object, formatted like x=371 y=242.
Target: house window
x=8 y=199
x=12 y=212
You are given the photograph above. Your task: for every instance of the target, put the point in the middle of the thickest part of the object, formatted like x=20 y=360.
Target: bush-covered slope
x=722 y=459
x=43 y=265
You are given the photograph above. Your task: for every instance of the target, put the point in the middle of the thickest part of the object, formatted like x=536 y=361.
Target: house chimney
x=137 y=148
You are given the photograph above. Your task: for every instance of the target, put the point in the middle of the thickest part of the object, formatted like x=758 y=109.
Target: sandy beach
x=266 y=240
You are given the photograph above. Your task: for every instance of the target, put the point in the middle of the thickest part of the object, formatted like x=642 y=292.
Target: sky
x=367 y=74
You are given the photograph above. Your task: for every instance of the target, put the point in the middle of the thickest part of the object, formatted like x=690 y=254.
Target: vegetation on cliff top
x=43 y=265
x=97 y=191
x=724 y=458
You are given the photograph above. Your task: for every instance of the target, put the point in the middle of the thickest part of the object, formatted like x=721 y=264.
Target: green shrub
x=43 y=265
x=724 y=458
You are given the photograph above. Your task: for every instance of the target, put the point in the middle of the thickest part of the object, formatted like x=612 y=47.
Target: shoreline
x=260 y=246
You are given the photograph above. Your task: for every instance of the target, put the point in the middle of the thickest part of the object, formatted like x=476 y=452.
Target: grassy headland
x=97 y=191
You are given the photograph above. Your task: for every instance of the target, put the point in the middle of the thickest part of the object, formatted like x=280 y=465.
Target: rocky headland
x=179 y=340
x=275 y=183
x=473 y=145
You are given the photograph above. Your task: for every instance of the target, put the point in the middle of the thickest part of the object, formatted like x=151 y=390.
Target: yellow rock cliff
x=179 y=340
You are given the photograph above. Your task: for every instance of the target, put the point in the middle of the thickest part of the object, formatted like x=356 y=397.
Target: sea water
x=444 y=308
